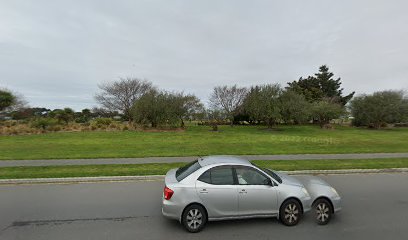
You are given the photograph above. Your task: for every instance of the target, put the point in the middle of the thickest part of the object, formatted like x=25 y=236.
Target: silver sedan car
x=224 y=187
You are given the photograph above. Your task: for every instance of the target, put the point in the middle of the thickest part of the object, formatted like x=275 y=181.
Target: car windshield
x=186 y=170
x=273 y=175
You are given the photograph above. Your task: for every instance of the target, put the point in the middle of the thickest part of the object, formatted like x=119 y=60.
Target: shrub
x=325 y=111
x=43 y=123
x=8 y=123
x=103 y=121
x=379 y=108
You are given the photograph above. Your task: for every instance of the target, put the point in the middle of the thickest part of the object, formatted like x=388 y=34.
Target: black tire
x=323 y=211
x=194 y=218
x=290 y=212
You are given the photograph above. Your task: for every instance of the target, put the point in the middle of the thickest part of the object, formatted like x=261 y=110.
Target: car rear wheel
x=194 y=218
x=323 y=211
x=290 y=212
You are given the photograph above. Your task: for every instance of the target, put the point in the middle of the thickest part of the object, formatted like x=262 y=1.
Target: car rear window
x=186 y=170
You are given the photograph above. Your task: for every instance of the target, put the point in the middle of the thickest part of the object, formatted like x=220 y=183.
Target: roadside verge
x=70 y=180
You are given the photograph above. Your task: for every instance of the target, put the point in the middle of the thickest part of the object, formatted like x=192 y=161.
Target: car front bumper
x=336 y=201
x=306 y=202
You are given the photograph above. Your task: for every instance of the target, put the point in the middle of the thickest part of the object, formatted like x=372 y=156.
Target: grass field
x=198 y=140
x=161 y=169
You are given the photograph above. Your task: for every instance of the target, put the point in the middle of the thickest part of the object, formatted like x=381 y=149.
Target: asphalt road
x=375 y=207
x=102 y=161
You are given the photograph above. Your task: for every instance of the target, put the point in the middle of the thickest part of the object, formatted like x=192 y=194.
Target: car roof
x=210 y=160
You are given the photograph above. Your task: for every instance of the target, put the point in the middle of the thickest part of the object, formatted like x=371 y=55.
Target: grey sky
x=56 y=52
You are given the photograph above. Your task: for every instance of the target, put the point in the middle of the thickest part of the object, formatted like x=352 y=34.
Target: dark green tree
x=62 y=115
x=294 y=107
x=184 y=106
x=7 y=99
x=379 y=108
x=321 y=86
x=262 y=104
x=324 y=111
x=84 y=116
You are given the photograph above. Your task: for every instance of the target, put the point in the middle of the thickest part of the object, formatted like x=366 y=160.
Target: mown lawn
x=198 y=140
x=162 y=168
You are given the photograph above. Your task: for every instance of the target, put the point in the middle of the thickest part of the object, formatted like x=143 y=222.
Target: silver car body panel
x=240 y=201
x=318 y=188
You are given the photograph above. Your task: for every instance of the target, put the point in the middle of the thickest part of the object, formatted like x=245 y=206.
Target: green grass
x=162 y=168
x=87 y=170
x=198 y=140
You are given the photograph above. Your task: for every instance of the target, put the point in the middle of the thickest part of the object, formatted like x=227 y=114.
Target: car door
x=256 y=193
x=216 y=188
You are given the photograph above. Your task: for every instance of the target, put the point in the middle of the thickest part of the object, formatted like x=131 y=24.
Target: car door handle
x=203 y=190
x=243 y=191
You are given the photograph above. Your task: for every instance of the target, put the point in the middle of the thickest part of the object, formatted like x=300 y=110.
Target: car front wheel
x=194 y=218
x=290 y=212
x=323 y=211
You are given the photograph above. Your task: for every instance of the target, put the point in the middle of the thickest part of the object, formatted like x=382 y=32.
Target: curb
x=161 y=177
x=81 y=179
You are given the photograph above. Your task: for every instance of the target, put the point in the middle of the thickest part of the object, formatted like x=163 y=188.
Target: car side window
x=218 y=176
x=206 y=177
x=250 y=176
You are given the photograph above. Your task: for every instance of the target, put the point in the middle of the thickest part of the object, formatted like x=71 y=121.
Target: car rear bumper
x=171 y=210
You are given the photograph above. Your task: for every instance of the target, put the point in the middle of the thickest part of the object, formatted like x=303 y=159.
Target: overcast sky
x=56 y=52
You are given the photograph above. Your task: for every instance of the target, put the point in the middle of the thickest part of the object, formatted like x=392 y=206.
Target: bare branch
x=122 y=94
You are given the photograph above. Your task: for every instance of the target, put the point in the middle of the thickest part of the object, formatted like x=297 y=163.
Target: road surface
x=375 y=207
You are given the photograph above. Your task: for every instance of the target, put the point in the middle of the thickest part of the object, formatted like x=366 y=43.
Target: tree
x=321 y=86
x=324 y=111
x=11 y=101
x=228 y=99
x=6 y=99
x=262 y=103
x=379 y=108
x=184 y=106
x=84 y=116
x=294 y=107
x=122 y=94
x=63 y=115
x=165 y=108
x=152 y=108
x=26 y=113
x=215 y=116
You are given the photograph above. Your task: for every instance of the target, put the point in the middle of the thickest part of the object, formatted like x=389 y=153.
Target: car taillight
x=168 y=193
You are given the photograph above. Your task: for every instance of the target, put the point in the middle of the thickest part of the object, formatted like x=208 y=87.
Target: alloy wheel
x=291 y=213
x=323 y=211
x=194 y=218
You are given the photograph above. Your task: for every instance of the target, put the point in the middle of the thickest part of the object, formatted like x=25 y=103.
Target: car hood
x=289 y=180
x=306 y=181
x=310 y=181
